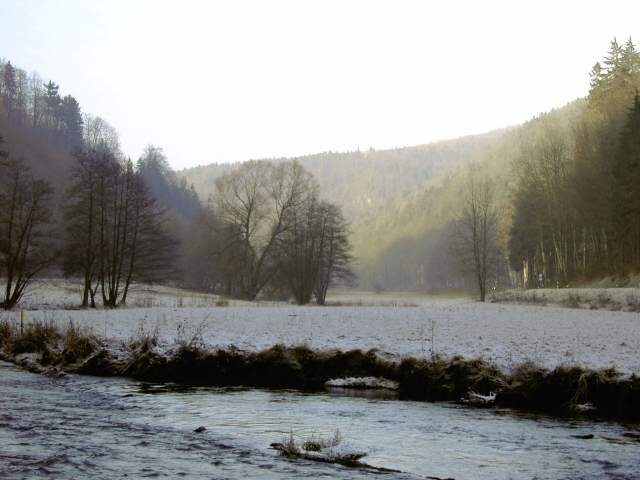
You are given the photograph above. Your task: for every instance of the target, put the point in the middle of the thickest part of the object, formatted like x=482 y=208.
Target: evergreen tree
x=627 y=190
x=52 y=103
x=71 y=121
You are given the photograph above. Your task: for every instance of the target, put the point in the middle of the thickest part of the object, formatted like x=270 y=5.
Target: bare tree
x=335 y=251
x=475 y=242
x=300 y=249
x=115 y=230
x=82 y=242
x=254 y=203
x=24 y=219
x=132 y=243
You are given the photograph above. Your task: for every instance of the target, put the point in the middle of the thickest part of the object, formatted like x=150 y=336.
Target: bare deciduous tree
x=335 y=251
x=115 y=231
x=82 y=241
x=475 y=242
x=254 y=202
x=25 y=249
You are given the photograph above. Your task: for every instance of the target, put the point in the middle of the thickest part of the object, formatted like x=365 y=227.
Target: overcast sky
x=223 y=81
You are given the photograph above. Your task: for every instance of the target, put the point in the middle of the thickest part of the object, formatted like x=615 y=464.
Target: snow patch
x=363 y=382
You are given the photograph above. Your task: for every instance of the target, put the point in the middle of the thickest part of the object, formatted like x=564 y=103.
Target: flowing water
x=84 y=427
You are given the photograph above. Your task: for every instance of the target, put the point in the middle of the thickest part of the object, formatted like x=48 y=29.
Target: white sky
x=217 y=81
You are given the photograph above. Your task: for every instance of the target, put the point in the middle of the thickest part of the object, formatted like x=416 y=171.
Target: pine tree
x=71 y=121
x=596 y=76
x=52 y=103
x=627 y=189
x=614 y=59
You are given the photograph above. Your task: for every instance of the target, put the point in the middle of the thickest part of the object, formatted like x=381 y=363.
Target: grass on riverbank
x=561 y=391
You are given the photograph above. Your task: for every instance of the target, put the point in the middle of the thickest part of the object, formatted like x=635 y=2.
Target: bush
x=36 y=337
x=145 y=340
x=7 y=332
x=572 y=301
x=222 y=302
x=439 y=379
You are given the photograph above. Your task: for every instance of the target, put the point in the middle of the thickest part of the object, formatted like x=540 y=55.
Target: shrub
x=36 y=337
x=145 y=340
x=222 y=302
x=7 y=332
x=572 y=301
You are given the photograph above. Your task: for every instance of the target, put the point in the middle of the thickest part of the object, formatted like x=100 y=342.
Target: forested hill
x=567 y=195
x=362 y=182
x=406 y=244
x=45 y=127
x=566 y=191
x=565 y=186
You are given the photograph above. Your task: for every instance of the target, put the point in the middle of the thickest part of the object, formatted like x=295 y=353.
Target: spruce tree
x=627 y=189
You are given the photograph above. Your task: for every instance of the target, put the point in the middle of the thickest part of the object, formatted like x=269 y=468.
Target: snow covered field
x=57 y=294
x=501 y=333
x=626 y=299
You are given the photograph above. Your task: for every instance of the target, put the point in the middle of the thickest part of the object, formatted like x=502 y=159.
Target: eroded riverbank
x=564 y=391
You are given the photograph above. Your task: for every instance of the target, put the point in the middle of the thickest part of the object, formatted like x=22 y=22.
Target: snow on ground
x=363 y=382
x=505 y=334
x=627 y=299
x=56 y=294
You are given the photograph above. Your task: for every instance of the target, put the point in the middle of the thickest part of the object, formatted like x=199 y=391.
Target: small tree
x=300 y=250
x=24 y=220
x=335 y=257
x=475 y=242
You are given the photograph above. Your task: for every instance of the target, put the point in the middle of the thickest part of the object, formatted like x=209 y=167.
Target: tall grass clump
x=36 y=336
x=77 y=343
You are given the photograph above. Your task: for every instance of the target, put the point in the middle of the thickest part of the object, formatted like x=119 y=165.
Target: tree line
x=30 y=102
x=265 y=233
x=576 y=202
x=111 y=231
x=564 y=202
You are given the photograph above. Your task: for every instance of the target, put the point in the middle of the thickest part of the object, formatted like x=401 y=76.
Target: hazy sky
x=217 y=81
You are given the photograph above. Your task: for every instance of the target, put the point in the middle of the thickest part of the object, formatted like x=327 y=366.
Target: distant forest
x=559 y=182
x=71 y=203
x=564 y=193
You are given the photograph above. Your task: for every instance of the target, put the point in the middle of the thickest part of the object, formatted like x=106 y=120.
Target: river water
x=85 y=427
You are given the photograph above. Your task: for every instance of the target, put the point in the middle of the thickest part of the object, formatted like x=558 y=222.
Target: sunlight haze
x=228 y=81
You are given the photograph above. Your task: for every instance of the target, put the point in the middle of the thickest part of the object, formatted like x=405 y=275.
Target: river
x=85 y=427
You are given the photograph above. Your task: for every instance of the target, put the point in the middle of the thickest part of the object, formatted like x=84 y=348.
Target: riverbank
x=565 y=390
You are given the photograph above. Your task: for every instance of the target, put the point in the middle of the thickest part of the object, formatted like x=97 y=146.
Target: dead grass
x=36 y=336
x=77 y=343
x=145 y=339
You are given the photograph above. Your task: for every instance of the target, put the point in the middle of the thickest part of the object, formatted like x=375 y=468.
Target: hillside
x=46 y=129
x=565 y=194
x=405 y=245
x=362 y=182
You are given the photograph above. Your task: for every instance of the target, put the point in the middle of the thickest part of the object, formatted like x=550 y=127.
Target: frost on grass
x=612 y=299
x=505 y=335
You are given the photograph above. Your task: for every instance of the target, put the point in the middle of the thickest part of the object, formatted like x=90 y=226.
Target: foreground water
x=85 y=427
